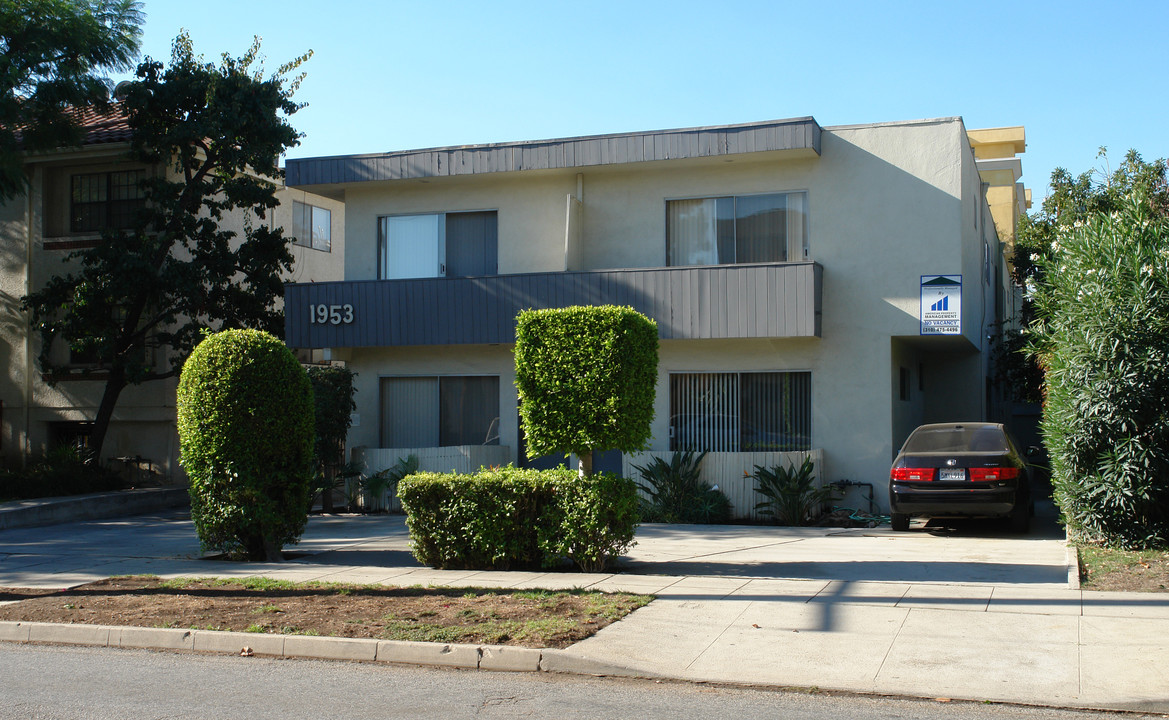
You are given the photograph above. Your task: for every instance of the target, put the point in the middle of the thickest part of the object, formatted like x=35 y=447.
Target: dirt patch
x=1124 y=570
x=528 y=618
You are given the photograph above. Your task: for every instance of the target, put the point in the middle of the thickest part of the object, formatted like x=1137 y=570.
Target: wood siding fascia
x=796 y=134
x=723 y=301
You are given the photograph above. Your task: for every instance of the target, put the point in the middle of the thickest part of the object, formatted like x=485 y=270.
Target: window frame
x=312 y=241
x=443 y=262
x=438 y=377
x=109 y=203
x=805 y=242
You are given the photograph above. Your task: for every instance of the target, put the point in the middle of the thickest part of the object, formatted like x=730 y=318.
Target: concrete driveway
x=165 y=544
x=966 y=611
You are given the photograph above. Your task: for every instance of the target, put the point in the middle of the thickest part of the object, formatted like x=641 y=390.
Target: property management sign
x=941 y=304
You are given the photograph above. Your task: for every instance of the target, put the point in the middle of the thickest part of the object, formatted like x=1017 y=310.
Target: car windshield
x=957 y=438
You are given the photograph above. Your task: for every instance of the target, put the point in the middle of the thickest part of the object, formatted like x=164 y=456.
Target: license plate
x=947 y=474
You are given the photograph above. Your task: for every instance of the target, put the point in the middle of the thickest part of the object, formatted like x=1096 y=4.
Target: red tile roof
x=99 y=128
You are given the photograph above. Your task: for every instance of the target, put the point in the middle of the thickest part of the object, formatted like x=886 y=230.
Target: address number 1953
x=330 y=314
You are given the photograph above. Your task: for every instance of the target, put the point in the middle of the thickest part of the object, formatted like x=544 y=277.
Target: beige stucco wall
x=531 y=216
x=887 y=204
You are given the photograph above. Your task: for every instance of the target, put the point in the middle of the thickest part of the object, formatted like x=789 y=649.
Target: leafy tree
x=53 y=54
x=1103 y=335
x=333 y=402
x=1071 y=200
x=586 y=378
x=214 y=133
x=245 y=420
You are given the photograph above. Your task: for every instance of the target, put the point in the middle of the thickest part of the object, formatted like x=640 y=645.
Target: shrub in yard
x=481 y=520
x=333 y=406
x=1104 y=342
x=675 y=493
x=586 y=379
x=509 y=517
x=792 y=495
x=65 y=470
x=591 y=521
x=245 y=421
x=376 y=486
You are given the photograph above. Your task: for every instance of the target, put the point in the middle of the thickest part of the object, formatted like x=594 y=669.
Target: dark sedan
x=960 y=470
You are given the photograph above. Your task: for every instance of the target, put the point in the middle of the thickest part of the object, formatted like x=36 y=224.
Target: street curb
x=502 y=658
x=94 y=506
x=1073 y=567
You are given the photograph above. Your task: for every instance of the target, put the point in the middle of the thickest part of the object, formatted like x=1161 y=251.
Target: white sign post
x=941 y=304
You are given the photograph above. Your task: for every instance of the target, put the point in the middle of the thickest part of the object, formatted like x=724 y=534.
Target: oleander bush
x=245 y=421
x=1103 y=339
x=509 y=517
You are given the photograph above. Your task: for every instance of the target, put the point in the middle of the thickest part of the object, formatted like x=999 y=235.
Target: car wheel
x=899 y=522
x=1021 y=518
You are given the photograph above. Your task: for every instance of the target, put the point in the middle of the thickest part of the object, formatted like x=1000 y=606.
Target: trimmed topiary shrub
x=508 y=517
x=586 y=379
x=245 y=420
x=1104 y=343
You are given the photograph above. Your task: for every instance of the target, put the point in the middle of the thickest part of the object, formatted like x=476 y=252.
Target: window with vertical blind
x=737 y=229
x=439 y=411
x=741 y=412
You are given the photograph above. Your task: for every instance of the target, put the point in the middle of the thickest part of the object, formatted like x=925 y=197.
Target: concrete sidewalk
x=964 y=612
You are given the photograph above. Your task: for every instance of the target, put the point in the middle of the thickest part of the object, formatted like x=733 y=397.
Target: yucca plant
x=793 y=498
x=677 y=494
x=376 y=485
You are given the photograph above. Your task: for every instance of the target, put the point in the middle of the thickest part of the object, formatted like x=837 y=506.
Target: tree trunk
x=585 y=464
x=105 y=412
x=272 y=551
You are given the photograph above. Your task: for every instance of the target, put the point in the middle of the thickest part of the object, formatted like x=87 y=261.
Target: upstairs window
x=743 y=229
x=312 y=226
x=463 y=244
x=105 y=201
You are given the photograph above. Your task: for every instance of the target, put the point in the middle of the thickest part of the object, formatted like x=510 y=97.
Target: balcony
x=772 y=300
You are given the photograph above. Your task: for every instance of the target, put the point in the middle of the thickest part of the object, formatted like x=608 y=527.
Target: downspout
x=26 y=449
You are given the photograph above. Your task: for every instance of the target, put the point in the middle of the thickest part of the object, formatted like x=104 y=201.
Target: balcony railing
x=723 y=301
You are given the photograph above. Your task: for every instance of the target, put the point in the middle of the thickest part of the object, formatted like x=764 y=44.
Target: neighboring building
x=786 y=265
x=73 y=195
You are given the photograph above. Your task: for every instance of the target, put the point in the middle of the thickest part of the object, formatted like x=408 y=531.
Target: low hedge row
x=62 y=472
x=509 y=517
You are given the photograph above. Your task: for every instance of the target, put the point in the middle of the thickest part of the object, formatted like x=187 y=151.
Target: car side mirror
x=1034 y=450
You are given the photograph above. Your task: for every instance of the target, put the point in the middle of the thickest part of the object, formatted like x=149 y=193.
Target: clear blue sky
x=399 y=75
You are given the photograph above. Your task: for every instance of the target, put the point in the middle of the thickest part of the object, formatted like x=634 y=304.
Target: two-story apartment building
x=74 y=194
x=818 y=290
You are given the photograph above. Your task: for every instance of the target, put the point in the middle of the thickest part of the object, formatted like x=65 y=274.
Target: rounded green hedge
x=245 y=421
